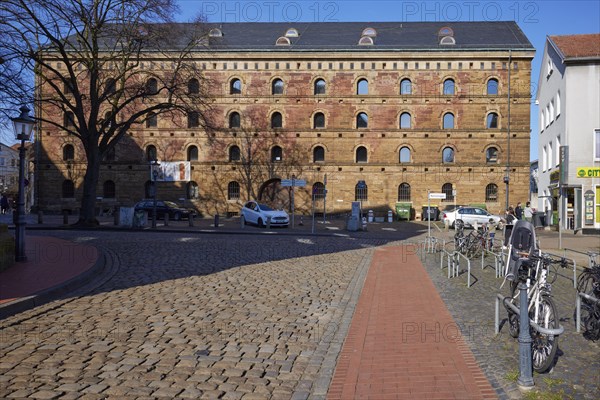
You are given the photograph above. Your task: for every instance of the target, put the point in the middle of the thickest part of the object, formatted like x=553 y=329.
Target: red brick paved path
x=403 y=342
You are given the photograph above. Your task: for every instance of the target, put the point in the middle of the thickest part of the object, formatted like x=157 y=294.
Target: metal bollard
x=191 y=220
x=216 y=220
x=116 y=213
x=242 y=221
x=525 y=380
x=166 y=219
x=65 y=217
x=40 y=217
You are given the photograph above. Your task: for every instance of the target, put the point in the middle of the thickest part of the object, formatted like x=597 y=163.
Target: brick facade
x=383 y=138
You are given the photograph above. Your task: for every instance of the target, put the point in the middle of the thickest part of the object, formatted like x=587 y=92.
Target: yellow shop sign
x=588 y=172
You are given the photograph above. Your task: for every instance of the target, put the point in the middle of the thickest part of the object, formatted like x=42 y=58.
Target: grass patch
x=512 y=375
x=560 y=395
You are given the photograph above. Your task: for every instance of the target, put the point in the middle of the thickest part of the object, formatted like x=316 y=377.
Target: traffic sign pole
x=428 y=214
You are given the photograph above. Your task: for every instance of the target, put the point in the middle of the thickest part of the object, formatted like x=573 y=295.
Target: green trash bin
x=403 y=211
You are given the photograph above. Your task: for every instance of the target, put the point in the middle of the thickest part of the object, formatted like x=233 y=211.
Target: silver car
x=469 y=216
x=260 y=214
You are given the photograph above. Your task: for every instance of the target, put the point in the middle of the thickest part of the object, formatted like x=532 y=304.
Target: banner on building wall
x=173 y=171
x=588 y=172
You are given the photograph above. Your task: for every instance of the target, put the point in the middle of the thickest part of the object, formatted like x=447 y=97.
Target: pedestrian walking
x=519 y=211
x=528 y=212
x=4 y=204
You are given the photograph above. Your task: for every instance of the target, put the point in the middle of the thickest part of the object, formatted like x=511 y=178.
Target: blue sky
x=537 y=19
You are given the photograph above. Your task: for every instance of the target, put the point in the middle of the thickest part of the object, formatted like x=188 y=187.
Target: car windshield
x=170 y=204
x=265 y=207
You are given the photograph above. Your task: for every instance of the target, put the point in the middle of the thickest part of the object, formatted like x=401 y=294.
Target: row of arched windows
x=361 y=191
x=319 y=86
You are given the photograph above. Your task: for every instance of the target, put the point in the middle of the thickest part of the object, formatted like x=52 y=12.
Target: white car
x=259 y=214
x=470 y=215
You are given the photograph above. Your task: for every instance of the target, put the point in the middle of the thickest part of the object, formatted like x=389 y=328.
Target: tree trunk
x=87 y=215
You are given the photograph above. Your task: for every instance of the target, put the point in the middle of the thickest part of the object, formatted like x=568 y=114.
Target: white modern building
x=568 y=96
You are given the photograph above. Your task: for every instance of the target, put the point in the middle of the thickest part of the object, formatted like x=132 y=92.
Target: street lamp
x=23 y=125
x=153 y=176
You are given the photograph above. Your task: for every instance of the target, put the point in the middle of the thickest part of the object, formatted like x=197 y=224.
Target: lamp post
x=153 y=176
x=23 y=126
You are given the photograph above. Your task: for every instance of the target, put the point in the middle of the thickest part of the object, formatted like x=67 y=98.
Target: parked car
x=175 y=211
x=258 y=214
x=470 y=215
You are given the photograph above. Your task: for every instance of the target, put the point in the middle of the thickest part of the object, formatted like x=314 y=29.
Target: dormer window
x=369 y=32
x=215 y=32
x=291 y=32
x=447 y=40
x=366 y=41
x=282 y=41
x=446 y=31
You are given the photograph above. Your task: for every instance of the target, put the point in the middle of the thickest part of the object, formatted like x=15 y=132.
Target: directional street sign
x=293 y=182
x=437 y=196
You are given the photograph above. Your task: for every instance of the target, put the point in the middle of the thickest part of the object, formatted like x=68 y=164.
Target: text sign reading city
x=433 y=196
x=588 y=172
x=293 y=182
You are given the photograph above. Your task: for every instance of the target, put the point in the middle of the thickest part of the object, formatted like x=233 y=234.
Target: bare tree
x=105 y=66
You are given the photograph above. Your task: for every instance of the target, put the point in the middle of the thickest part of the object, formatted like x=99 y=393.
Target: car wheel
x=459 y=224
x=260 y=223
x=177 y=216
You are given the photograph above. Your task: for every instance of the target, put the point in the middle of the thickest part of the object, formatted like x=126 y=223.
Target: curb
x=104 y=267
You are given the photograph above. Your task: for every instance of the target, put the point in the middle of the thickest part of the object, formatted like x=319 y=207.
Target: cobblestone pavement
x=245 y=317
x=576 y=373
x=192 y=316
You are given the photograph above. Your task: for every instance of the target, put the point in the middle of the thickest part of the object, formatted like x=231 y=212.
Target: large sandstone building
x=373 y=112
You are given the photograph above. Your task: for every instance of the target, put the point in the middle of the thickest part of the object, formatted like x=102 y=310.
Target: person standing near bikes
x=519 y=211
x=528 y=212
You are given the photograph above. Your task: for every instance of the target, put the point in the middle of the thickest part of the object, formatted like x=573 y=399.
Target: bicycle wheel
x=513 y=319
x=589 y=283
x=544 y=347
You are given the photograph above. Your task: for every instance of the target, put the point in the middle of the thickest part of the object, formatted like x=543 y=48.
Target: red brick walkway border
x=403 y=342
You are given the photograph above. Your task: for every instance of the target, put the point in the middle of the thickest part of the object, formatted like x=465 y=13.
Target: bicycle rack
x=499 y=263
x=586 y=296
x=515 y=309
x=592 y=260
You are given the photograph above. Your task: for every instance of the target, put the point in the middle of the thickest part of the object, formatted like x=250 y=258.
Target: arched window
x=447 y=40
x=558 y=103
x=369 y=32
x=361 y=191
x=491 y=121
x=151 y=154
x=405 y=120
x=449 y=87
x=235 y=86
x=69 y=119
x=193 y=119
x=191 y=190
x=111 y=87
x=291 y=32
x=318 y=191
x=448 y=155
x=491 y=192
x=362 y=87
x=215 y=32
x=68 y=189
x=404 y=192
x=282 y=41
x=233 y=191
x=151 y=120
x=405 y=86
x=234 y=153
x=319 y=120
x=361 y=154
x=365 y=41
x=276 y=120
x=193 y=86
x=491 y=155
x=447 y=189
x=362 y=120
x=405 y=155
x=151 y=87
x=492 y=87
x=234 y=120
x=276 y=154
x=277 y=86
x=68 y=152
x=108 y=190
x=320 y=86
x=448 y=122
x=192 y=153
x=319 y=154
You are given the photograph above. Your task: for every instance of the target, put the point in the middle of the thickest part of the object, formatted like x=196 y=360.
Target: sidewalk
x=403 y=342
x=53 y=268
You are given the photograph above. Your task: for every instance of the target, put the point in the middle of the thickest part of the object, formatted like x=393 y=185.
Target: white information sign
x=441 y=196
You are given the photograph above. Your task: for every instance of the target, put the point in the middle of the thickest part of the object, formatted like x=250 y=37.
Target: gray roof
x=344 y=36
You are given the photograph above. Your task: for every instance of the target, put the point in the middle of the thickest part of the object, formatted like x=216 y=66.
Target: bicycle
x=589 y=283
x=535 y=271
